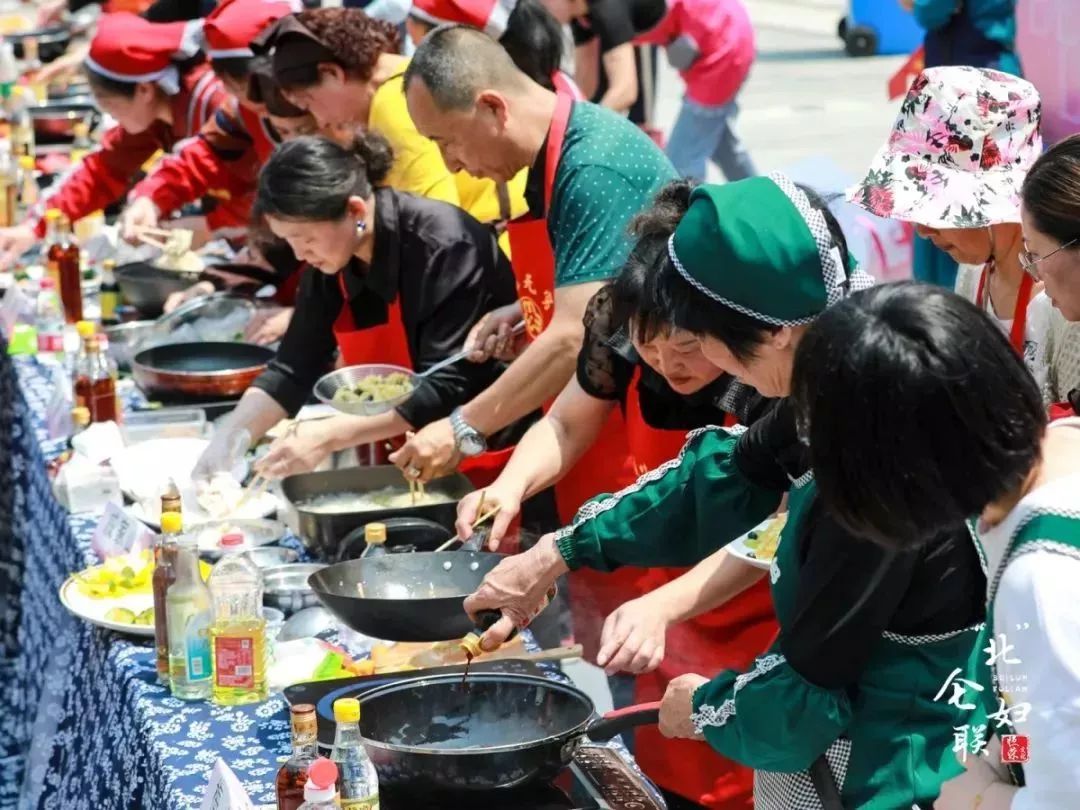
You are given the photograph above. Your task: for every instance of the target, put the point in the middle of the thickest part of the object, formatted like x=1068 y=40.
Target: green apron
x=898 y=747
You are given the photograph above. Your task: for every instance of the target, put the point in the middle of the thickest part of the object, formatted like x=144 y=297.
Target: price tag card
x=224 y=792
x=119 y=533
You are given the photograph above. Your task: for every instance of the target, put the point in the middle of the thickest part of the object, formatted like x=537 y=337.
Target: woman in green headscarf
x=858 y=702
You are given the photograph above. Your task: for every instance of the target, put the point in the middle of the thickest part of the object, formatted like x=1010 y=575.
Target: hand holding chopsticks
x=484 y=518
x=254 y=489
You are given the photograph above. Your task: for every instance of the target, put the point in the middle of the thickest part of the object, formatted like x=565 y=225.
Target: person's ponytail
x=374 y=151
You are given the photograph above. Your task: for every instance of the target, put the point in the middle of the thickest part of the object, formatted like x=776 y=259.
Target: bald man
x=590 y=171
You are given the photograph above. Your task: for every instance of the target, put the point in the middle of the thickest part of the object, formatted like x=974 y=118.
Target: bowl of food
x=366 y=390
x=286 y=587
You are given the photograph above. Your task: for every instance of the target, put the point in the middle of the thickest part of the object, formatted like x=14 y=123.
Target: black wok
x=405 y=597
x=52 y=42
x=146 y=287
x=199 y=371
x=496 y=730
x=322 y=532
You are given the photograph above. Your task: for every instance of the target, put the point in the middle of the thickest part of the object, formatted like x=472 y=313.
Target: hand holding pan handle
x=614 y=723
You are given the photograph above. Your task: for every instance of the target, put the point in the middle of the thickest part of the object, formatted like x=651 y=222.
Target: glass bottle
x=80 y=366
x=28 y=186
x=239 y=629
x=293 y=775
x=49 y=318
x=54 y=248
x=22 y=124
x=358 y=783
x=170 y=499
x=69 y=266
x=165 y=548
x=9 y=77
x=375 y=538
x=320 y=792
x=188 y=614
x=82 y=145
x=9 y=187
x=39 y=90
x=99 y=387
x=109 y=297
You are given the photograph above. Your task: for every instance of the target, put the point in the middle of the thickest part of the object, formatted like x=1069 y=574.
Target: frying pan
x=52 y=42
x=204 y=370
x=146 y=286
x=54 y=121
x=495 y=730
x=406 y=597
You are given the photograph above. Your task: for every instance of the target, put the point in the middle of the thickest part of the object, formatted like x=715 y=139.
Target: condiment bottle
x=32 y=67
x=9 y=187
x=375 y=538
x=358 y=782
x=165 y=549
x=239 y=630
x=293 y=775
x=69 y=266
x=22 y=124
x=170 y=499
x=54 y=248
x=28 y=186
x=101 y=393
x=82 y=144
x=188 y=616
x=49 y=318
x=109 y=297
x=320 y=792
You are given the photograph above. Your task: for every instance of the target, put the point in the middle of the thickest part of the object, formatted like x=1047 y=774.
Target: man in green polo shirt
x=465 y=93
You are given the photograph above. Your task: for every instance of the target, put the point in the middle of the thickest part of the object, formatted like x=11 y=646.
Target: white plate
x=94 y=610
x=144 y=469
x=149 y=512
x=256 y=533
x=738 y=547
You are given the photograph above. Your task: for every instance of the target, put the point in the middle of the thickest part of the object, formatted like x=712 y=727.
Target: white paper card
x=119 y=533
x=224 y=792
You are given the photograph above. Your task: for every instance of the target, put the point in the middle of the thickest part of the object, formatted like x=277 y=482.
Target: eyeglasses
x=1028 y=262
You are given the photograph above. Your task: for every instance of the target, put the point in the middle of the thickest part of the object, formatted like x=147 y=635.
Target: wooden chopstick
x=256 y=488
x=153 y=231
x=457 y=538
x=146 y=240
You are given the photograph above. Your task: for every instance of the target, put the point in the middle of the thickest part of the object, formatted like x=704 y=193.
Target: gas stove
x=599 y=777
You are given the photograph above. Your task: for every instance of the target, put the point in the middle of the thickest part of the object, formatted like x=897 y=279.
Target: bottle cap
x=232 y=540
x=80 y=415
x=26 y=162
x=109 y=264
x=321 y=781
x=81 y=130
x=172 y=523
x=48 y=283
x=304 y=725
x=347 y=710
x=53 y=214
x=375 y=534
x=471 y=645
x=85 y=329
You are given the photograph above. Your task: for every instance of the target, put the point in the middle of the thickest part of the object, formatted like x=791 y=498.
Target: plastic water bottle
x=320 y=792
x=238 y=634
x=358 y=782
x=50 y=318
x=187 y=605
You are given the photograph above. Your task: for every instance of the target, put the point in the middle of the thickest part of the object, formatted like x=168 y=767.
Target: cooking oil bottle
x=238 y=634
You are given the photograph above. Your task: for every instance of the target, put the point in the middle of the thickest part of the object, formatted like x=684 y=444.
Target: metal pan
x=405 y=597
x=199 y=370
x=54 y=121
x=322 y=532
x=52 y=42
x=495 y=730
x=146 y=286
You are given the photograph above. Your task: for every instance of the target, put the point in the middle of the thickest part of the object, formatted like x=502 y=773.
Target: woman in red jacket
x=145 y=76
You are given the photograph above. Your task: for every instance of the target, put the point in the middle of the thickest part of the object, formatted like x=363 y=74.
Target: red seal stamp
x=1014 y=749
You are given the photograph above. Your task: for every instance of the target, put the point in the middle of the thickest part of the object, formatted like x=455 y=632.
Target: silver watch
x=468 y=440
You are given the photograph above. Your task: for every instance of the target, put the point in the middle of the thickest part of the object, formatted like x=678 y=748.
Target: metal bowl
x=127 y=339
x=329 y=385
x=286 y=588
x=269 y=557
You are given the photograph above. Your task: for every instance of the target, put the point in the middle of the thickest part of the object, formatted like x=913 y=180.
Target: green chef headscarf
x=760 y=248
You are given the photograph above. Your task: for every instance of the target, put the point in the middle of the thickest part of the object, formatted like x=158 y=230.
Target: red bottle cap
x=323 y=773
x=47 y=284
x=232 y=539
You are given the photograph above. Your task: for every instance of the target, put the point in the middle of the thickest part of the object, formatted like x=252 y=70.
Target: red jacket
x=105 y=174
x=223 y=161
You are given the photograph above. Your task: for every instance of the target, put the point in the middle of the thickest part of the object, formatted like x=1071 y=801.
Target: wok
x=496 y=730
x=146 y=287
x=52 y=42
x=204 y=370
x=405 y=597
x=54 y=121
x=322 y=533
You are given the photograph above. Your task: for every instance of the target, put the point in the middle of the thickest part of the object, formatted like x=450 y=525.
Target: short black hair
x=237 y=68
x=455 y=62
x=312 y=178
x=742 y=334
x=1051 y=191
x=917 y=411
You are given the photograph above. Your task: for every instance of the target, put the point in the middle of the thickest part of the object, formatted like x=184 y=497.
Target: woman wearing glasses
x=953 y=165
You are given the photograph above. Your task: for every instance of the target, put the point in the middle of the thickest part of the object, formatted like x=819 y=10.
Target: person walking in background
x=711 y=44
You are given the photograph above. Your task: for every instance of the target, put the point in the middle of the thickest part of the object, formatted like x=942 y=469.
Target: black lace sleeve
x=601 y=371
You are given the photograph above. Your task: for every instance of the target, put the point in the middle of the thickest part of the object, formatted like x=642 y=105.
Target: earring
x=361 y=226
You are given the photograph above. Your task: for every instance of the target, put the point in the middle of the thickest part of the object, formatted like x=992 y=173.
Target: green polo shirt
x=608 y=171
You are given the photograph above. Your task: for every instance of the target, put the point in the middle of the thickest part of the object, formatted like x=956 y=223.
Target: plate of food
x=758 y=546
x=219 y=499
x=117 y=595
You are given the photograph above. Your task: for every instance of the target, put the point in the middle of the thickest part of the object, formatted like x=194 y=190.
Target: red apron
x=387 y=344
x=1023 y=298
x=606 y=465
x=727 y=638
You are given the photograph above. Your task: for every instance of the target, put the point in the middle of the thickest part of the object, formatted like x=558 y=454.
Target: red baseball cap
x=231 y=27
x=127 y=48
x=489 y=16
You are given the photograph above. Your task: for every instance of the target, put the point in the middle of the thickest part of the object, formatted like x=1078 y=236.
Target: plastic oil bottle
x=238 y=633
x=187 y=606
x=358 y=782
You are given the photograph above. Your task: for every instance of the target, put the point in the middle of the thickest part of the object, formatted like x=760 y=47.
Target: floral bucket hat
x=959 y=151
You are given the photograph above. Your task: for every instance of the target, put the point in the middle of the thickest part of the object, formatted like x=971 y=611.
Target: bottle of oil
x=82 y=144
x=80 y=370
x=293 y=775
x=238 y=633
x=28 y=186
x=32 y=68
x=358 y=782
x=187 y=605
x=109 y=297
x=102 y=389
x=54 y=249
x=165 y=549
x=70 y=268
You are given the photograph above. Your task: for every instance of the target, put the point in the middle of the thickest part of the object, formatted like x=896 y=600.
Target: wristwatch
x=468 y=440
